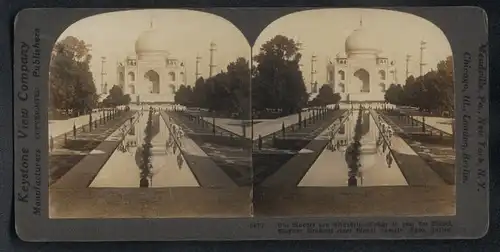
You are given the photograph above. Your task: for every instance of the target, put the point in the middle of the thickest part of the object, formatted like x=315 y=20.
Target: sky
x=188 y=34
x=323 y=32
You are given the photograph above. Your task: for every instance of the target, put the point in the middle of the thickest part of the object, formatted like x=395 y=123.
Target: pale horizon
x=323 y=32
x=188 y=32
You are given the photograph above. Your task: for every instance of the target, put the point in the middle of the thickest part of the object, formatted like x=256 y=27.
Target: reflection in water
x=376 y=166
x=169 y=168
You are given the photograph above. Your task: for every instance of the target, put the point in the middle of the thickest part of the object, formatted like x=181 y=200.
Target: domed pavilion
x=151 y=75
x=360 y=73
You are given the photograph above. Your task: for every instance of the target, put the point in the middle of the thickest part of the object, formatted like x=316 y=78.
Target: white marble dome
x=151 y=41
x=361 y=41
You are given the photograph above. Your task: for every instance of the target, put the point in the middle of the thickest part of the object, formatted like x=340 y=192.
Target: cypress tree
x=146 y=166
x=353 y=152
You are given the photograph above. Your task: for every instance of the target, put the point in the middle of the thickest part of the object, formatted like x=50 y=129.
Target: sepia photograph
x=150 y=107
x=354 y=114
x=250 y=124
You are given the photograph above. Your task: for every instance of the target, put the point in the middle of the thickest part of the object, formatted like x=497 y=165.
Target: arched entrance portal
x=154 y=79
x=362 y=79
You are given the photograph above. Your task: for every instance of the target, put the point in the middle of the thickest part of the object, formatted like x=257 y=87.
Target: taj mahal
x=360 y=74
x=152 y=74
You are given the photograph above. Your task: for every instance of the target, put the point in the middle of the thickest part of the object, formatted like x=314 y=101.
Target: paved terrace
x=76 y=169
x=172 y=202
x=59 y=127
x=356 y=201
x=413 y=167
x=228 y=203
x=433 y=148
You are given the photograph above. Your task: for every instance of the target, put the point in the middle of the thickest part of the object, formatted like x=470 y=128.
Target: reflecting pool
x=376 y=165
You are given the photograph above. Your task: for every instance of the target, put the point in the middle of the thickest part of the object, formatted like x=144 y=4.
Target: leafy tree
x=227 y=92
x=395 y=94
x=184 y=96
x=326 y=95
x=71 y=82
x=238 y=73
x=219 y=98
x=432 y=92
x=116 y=97
x=413 y=92
x=200 y=94
x=445 y=71
x=126 y=99
x=277 y=81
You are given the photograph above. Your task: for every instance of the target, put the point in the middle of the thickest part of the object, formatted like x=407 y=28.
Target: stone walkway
x=59 y=127
x=68 y=153
x=308 y=132
x=439 y=123
x=413 y=167
x=268 y=163
x=202 y=159
x=293 y=170
x=435 y=150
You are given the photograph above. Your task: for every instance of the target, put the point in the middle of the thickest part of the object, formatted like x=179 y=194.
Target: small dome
x=341 y=55
x=151 y=41
x=361 y=41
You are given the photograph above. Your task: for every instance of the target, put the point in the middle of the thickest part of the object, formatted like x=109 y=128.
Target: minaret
x=422 y=64
x=299 y=49
x=197 y=73
x=212 y=65
x=395 y=75
x=407 y=63
x=313 y=72
x=103 y=73
x=184 y=70
x=394 y=72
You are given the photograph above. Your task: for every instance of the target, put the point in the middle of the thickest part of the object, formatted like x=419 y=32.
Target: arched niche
x=171 y=76
x=131 y=76
x=362 y=79
x=341 y=75
x=382 y=74
x=154 y=78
